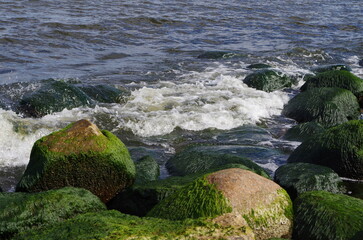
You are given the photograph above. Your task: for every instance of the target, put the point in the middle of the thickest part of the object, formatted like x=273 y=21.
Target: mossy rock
x=268 y=80
x=194 y=160
x=140 y=198
x=340 y=148
x=104 y=93
x=297 y=178
x=331 y=67
x=303 y=131
x=219 y=55
x=232 y=194
x=339 y=79
x=147 y=169
x=258 y=66
x=52 y=96
x=327 y=106
x=23 y=211
x=324 y=215
x=79 y=155
x=115 y=225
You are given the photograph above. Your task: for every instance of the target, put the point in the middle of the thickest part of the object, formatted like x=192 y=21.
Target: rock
x=147 y=169
x=327 y=106
x=23 y=211
x=303 y=131
x=339 y=79
x=324 y=215
x=354 y=188
x=340 y=148
x=297 y=178
x=331 y=67
x=115 y=225
x=140 y=198
x=104 y=93
x=79 y=155
x=360 y=63
x=268 y=80
x=232 y=194
x=194 y=160
x=258 y=66
x=219 y=55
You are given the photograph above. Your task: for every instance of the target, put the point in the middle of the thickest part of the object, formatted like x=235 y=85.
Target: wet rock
x=268 y=80
x=324 y=215
x=147 y=169
x=360 y=63
x=79 y=155
x=339 y=148
x=104 y=93
x=331 y=67
x=327 y=106
x=115 y=225
x=297 y=178
x=232 y=194
x=218 y=55
x=339 y=79
x=258 y=66
x=23 y=211
x=303 y=131
x=52 y=96
x=354 y=188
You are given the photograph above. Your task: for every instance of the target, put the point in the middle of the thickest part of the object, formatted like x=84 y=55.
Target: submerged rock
x=218 y=55
x=360 y=63
x=303 y=131
x=340 y=148
x=327 y=106
x=324 y=215
x=23 y=211
x=79 y=155
x=232 y=196
x=52 y=96
x=258 y=66
x=331 y=67
x=268 y=80
x=339 y=79
x=147 y=169
x=104 y=93
x=115 y=225
x=297 y=178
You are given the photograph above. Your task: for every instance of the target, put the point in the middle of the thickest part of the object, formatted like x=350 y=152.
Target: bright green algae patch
x=327 y=106
x=321 y=215
x=89 y=158
x=268 y=80
x=23 y=211
x=115 y=225
x=197 y=199
x=340 y=148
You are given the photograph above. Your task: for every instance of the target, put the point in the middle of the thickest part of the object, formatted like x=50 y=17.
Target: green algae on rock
x=231 y=194
x=79 y=155
x=303 y=131
x=268 y=80
x=339 y=79
x=327 y=106
x=323 y=215
x=147 y=169
x=23 y=211
x=297 y=178
x=115 y=225
x=340 y=148
x=219 y=55
x=104 y=93
x=258 y=66
x=331 y=67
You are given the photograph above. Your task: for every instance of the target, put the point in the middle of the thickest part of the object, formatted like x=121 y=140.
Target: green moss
x=104 y=93
x=303 y=131
x=339 y=148
x=327 y=106
x=333 y=67
x=115 y=225
x=23 y=211
x=339 y=79
x=268 y=80
x=197 y=199
x=323 y=215
x=147 y=169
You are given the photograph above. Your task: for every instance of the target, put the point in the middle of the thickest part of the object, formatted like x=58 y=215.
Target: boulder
x=339 y=79
x=79 y=155
x=297 y=178
x=104 y=93
x=52 y=96
x=340 y=148
x=140 y=198
x=258 y=66
x=331 y=67
x=324 y=215
x=195 y=159
x=303 y=131
x=232 y=194
x=147 y=169
x=23 y=211
x=327 y=106
x=268 y=80
x=115 y=225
